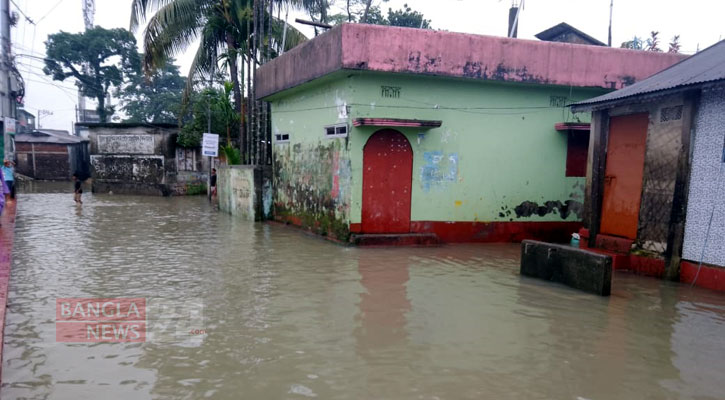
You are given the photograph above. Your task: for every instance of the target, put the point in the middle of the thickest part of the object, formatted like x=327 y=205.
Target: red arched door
x=387 y=181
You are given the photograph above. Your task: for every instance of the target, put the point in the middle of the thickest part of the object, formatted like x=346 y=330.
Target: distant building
x=136 y=158
x=402 y=134
x=26 y=121
x=49 y=154
x=566 y=33
x=656 y=181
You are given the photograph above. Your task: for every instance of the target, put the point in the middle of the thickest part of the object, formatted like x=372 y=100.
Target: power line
x=51 y=10
x=63 y=88
x=46 y=77
x=22 y=12
x=470 y=110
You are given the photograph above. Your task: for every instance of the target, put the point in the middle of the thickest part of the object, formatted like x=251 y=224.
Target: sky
x=698 y=22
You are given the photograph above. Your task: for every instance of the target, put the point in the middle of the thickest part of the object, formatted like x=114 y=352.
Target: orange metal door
x=623 y=175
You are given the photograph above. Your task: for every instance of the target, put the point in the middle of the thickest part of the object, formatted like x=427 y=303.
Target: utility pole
x=5 y=78
x=89 y=12
x=611 y=7
x=43 y=113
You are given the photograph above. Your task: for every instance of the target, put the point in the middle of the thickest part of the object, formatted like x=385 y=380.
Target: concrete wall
x=707 y=183
x=245 y=191
x=139 y=160
x=496 y=158
x=312 y=173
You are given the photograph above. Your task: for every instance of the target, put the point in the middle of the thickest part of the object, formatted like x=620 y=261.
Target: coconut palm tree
x=224 y=29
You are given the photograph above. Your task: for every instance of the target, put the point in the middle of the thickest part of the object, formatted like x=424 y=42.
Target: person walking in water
x=212 y=182
x=9 y=177
x=78 y=185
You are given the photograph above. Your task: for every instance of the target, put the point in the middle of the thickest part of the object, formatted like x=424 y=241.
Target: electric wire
x=22 y=12
x=50 y=11
x=471 y=110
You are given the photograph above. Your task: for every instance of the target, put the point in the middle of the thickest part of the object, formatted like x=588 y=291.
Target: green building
x=398 y=135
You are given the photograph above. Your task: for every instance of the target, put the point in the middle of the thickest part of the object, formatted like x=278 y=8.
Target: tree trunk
x=323 y=11
x=367 y=9
x=102 y=109
x=234 y=73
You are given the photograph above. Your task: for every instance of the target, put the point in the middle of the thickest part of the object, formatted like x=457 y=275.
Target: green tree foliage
x=366 y=11
x=99 y=59
x=407 y=17
x=675 y=45
x=232 y=155
x=653 y=43
x=224 y=119
x=635 y=44
x=156 y=98
x=220 y=24
x=223 y=29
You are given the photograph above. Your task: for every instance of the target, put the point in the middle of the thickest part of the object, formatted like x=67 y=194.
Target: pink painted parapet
x=459 y=55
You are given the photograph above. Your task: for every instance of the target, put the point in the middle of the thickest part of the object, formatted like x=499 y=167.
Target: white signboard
x=210 y=145
x=10 y=128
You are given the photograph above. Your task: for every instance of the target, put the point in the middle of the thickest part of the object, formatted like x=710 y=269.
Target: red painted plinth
x=710 y=277
x=7 y=231
x=497 y=232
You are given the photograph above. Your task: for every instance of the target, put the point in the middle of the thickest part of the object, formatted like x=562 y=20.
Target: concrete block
x=577 y=268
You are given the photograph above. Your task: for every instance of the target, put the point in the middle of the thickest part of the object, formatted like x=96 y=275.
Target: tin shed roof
x=562 y=28
x=54 y=136
x=707 y=66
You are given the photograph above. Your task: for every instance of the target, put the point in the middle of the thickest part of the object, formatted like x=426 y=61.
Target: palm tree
x=224 y=29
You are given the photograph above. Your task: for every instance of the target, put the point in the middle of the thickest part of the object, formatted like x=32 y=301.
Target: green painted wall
x=312 y=172
x=497 y=147
x=496 y=150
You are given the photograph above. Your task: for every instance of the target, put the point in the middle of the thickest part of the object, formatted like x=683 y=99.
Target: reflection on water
x=239 y=310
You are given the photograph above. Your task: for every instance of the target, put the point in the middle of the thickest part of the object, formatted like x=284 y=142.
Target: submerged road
x=240 y=310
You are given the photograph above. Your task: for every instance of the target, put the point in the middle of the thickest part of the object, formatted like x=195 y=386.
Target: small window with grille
x=281 y=137
x=336 y=131
x=668 y=114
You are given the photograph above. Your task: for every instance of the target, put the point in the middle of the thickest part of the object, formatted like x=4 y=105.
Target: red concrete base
x=710 y=277
x=405 y=239
x=7 y=232
x=496 y=232
x=614 y=243
x=640 y=265
x=647 y=266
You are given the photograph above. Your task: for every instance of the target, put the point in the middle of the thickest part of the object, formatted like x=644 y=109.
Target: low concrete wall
x=235 y=190
x=580 y=269
x=245 y=191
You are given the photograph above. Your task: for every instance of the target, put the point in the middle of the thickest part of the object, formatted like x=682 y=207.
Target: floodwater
x=261 y=311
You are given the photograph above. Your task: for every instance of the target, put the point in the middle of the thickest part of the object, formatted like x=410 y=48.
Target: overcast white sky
x=698 y=22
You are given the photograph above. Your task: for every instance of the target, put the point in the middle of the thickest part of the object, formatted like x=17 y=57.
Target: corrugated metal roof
x=48 y=136
x=563 y=27
x=704 y=67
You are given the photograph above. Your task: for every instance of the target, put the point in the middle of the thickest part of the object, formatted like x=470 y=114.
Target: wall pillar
x=676 y=231
x=596 y=164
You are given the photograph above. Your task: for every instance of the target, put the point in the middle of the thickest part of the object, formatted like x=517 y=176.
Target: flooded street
x=261 y=311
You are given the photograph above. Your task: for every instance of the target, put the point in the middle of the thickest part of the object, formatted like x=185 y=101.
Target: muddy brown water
x=252 y=311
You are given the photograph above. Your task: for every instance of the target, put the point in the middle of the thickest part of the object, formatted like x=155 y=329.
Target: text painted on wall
x=390 y=92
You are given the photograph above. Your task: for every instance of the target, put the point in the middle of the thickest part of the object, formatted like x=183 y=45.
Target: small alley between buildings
x=237 y=309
